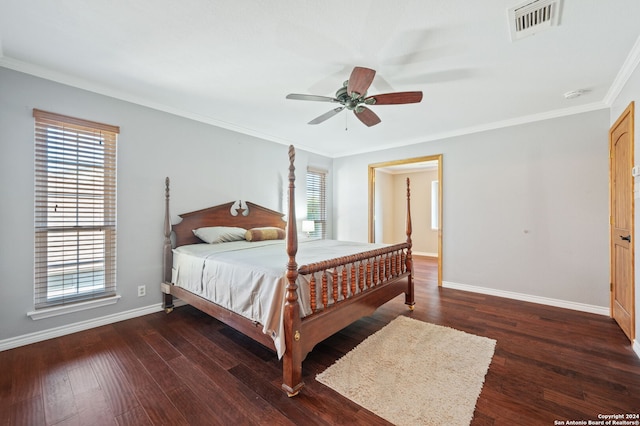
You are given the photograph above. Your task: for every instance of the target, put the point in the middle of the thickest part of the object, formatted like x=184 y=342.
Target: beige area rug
x=414 y=373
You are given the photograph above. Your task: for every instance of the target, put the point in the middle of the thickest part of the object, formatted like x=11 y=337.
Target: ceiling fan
x=353 y=96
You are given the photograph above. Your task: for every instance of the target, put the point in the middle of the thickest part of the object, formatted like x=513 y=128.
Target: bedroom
x=553 y=184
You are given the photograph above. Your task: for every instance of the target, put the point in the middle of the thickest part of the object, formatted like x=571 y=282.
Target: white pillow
x=220 y=234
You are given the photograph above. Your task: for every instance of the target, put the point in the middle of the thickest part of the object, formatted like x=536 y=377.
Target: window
x=317 y=202
x=75 y=209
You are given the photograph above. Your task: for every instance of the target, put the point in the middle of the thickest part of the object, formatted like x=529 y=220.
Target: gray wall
x=525 y=208
x=208 y=166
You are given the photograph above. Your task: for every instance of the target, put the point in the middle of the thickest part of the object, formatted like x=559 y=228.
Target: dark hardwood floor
x=550 y=365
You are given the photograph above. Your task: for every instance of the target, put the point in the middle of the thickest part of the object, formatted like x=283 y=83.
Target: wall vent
x=532 y=17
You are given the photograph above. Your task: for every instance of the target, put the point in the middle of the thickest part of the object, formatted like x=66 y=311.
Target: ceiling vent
x=533 y=17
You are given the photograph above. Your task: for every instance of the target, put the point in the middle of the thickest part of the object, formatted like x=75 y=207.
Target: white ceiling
x=232 y=62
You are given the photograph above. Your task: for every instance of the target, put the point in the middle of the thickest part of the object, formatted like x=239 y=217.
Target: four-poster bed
x=290 y=309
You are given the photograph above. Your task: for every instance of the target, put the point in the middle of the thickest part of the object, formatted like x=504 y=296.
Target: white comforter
x=249 y=277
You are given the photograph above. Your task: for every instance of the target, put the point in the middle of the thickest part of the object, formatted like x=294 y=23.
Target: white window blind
x=317 y=201
x=75 y=209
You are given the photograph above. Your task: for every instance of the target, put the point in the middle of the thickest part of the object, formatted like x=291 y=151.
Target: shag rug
x=414 y=373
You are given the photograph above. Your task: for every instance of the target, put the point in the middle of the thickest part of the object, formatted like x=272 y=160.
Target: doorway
x=621 y=147
x=409 y=166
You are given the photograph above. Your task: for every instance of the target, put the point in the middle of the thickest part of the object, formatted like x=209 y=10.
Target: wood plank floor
x=185 y=368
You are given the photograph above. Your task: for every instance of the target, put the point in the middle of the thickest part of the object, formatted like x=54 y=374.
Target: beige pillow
x=265 y=233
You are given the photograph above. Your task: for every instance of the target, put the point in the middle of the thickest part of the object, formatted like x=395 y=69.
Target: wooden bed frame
x=368 y=280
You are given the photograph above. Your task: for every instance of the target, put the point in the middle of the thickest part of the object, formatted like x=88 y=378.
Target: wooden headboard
x=251 y=216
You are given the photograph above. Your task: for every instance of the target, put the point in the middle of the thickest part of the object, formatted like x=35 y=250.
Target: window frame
x=75 y=210
x=316 y=192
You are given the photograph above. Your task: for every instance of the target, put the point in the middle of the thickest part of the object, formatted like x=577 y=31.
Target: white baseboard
x=422 y=253
x=636 y=347
x=600 y=310
x=39 y=336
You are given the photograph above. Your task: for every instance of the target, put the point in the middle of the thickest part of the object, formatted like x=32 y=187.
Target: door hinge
x=611 y=287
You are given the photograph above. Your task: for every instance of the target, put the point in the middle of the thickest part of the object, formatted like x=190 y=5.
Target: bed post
x=292 y=358
x=409 y=296
x=167 y=255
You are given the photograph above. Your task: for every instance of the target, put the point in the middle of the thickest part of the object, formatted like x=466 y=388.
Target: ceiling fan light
x=351 y=99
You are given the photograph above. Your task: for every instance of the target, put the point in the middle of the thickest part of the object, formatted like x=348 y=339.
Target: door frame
x=372 y=194
x=628 y=111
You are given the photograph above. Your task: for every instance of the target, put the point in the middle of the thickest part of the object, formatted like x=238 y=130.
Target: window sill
x=75 y=307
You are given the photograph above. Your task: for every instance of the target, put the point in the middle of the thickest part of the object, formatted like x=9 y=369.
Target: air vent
x=532 y=17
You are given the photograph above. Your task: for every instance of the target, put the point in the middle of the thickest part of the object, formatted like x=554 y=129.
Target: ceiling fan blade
x=368 y=117
x=396 y=98
x=326 y=115
x=299 y=97
x=360 y=80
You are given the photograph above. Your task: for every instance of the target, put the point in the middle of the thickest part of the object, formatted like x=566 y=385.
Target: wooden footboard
x=359 y=285
x=363 y=283
x=338 y=280
x=342 y=290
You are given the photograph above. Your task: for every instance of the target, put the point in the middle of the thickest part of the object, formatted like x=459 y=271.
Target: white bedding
x=249 y=277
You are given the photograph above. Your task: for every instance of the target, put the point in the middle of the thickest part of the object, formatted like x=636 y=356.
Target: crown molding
x=629 y=66
x=563 y=112
x=90 y=86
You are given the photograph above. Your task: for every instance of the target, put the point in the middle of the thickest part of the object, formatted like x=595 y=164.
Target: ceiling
x=232 y=62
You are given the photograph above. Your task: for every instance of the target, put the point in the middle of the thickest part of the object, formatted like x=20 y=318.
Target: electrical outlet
x=142 y=290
